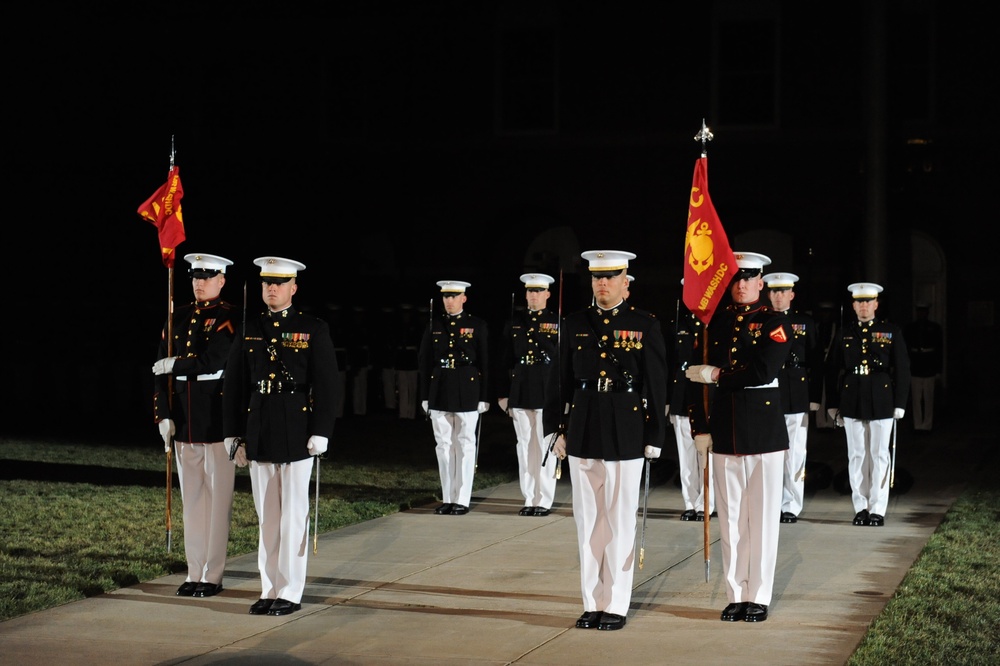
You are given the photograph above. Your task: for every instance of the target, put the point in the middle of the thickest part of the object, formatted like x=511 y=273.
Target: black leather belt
x=604 y=385
x=266 y=386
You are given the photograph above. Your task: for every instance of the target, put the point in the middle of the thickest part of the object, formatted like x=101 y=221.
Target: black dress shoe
x=699 y=516
x=876 y=520
x=458 y=510
x=610 y=622
x=541 y=511
x=755 y=613
x=207 y=590
x=734 y=612
x=526 y=511
x=283 y=607
x=589 y=620
x=861 y=517
x=443 y=509
x=689 y=515
x=261 y=606
x=789 y=517
x=187 y=589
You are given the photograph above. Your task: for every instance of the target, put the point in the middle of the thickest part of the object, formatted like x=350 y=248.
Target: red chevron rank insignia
x=778 y=334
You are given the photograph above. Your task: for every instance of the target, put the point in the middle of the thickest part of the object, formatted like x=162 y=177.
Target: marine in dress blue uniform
x=454 y=363
x=686 y=349
x=868 y=383
x=203 y=331
x=280 y=395
x=608 y=405
x=801 y=385
x=745 y=430
x=530 y=346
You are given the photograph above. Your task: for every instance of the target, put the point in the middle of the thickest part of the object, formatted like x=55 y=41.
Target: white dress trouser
x=455 y=433
x=206 y=477
x=868 y=463
x=748 y=492
x=690 y=469
x=605 y=502
x=281 y=496
x=538 y=484
x=795 y=463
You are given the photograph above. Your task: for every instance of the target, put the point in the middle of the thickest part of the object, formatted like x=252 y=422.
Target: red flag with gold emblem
x=163 y=210
x=709 y=263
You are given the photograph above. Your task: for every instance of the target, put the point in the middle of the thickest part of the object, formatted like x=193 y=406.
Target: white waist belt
x=201 y=378
x=773 y=384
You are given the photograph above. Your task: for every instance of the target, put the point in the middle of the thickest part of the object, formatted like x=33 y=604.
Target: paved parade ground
x=493 y=587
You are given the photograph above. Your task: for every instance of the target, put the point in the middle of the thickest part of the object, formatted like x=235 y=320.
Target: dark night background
x=391 y=145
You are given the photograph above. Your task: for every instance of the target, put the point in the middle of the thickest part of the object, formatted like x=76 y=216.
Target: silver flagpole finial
x=705 y=135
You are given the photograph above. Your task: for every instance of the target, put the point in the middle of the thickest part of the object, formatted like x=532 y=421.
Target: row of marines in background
x=286 y=377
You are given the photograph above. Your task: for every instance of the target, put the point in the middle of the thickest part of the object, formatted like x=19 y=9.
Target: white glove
x=651 y=452
x=672 y=419
x=813 y=406
x=833 y=413
x=666 y=411
x=424 y=407
x=700 y=373
x=898 y=413
x=317 y=445
x=703 y=443
x=167 y=431
x=164 y=366
x=483 y=406
x=502 y=402
x=239 y=458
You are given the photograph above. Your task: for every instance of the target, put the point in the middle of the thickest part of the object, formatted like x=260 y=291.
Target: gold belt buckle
x=604 y=385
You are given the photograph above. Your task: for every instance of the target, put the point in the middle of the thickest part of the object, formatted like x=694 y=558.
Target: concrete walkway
x=492 y=587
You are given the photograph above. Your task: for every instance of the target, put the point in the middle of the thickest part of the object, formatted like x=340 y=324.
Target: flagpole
x=705 y=135
x=170 y=377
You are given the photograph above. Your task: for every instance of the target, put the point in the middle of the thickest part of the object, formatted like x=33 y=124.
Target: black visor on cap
x=597 y=275
x=203 y=273
x=273 y=279
x=537 y=289
x=747 y=273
